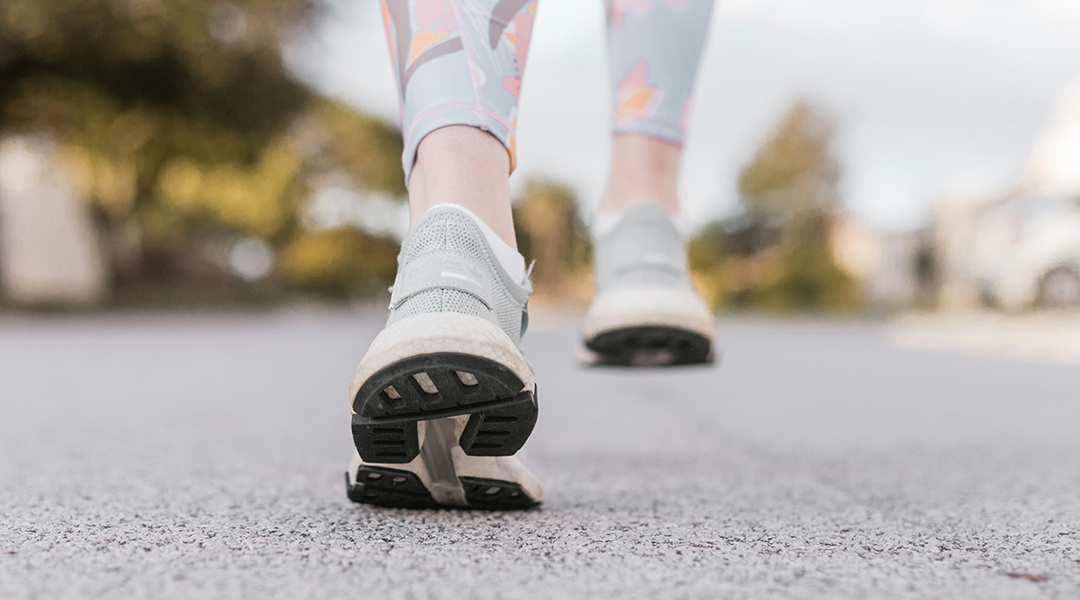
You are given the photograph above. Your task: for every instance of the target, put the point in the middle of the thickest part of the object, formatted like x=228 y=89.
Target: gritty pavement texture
x=203 y=457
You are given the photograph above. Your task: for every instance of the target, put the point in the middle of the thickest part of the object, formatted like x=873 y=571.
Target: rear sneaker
x=443 y=398
x=646 y=312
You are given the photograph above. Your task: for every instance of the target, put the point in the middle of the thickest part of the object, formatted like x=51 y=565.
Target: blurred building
x=50 y=251
x=886 y=264
x=1021 y=249
x=1053 y=169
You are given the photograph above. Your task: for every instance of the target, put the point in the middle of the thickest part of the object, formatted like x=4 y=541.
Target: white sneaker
x=443 y=398
x=645 y=312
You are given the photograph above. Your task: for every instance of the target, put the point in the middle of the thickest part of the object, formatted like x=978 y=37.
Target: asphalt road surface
x=202 y=457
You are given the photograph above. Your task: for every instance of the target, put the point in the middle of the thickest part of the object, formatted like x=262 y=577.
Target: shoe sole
x=397 y=488
x=444 y=476
x=648 y=328
x=389 y=488
x=439 y=365
x=649 y=346
x=392 y=400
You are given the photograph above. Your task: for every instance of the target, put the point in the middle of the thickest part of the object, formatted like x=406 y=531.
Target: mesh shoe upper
x=644 y=250
x=446 y=265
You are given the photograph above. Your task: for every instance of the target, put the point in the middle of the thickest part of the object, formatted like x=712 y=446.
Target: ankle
x=468 y=167
x=644 y=170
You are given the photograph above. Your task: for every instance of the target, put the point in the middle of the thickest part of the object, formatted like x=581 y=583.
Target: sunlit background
x=843 y=156
x=931 y=97
x=201 y=204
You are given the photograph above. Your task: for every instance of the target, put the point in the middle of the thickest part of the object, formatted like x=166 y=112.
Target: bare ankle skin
x=644 y=170
x=465 y=166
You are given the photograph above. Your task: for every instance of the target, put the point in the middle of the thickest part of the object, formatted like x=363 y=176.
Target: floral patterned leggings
x=460 y=62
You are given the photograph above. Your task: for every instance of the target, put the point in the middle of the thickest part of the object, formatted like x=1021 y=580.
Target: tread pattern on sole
x=650 y=346
x=495 y=494
x=397 y=488
x=391 y=488
x=430 y=386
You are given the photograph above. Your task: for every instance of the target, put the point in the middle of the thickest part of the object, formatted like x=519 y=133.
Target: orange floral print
x=635 y=97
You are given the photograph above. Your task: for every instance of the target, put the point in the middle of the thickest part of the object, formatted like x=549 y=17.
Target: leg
x=443 y=398
x=655 y=46
x=645 y=311
x=459 y=65
x=644 y=170
x=463 y=165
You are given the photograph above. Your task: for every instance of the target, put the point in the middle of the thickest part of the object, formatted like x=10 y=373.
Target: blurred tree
x=182 y=123
x=340 y=262
x=708 y=248
x=794 y=173
x=707 y=253
x=550 y=231
x=806 y=278
x=201 y=78
x=776 y=254
x=367 y=149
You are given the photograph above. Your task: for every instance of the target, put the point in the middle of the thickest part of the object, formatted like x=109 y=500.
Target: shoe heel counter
x=645 y=249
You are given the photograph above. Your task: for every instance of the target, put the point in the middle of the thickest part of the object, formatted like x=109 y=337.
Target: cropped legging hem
x=668 y=133
x=456 y=113
x=461 y=62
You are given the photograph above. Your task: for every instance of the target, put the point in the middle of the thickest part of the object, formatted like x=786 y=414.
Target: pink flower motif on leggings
x=654 y=47
x=436 y=20
x=519 y=33
x=458 y=62
x=617 y=10
x=635 y=96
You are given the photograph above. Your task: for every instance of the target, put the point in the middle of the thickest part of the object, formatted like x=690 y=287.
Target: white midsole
x=499 y=468
x=682 y=309
x=440 y=332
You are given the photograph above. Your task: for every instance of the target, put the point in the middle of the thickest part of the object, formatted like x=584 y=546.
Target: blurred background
x=201 y=203
x=845 y=156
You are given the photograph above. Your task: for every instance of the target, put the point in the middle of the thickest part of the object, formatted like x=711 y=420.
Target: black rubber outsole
x=389 y=488
x=396 y=488
x=390 y=403
x=650 y=346
x=495 y=494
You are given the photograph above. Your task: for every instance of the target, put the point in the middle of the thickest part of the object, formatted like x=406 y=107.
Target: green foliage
x=794 y=171
x=368 y=149
x=339 y=262
x=807 y=278
x=214 y=66
x=185 y=130
x=550 y=231
x=777 y=256
x=708 y=248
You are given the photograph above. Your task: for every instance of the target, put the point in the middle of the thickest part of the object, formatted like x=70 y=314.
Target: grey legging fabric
x=460 y=62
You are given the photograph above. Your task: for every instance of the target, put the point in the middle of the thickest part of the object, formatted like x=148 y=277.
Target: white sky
x=932 y=97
